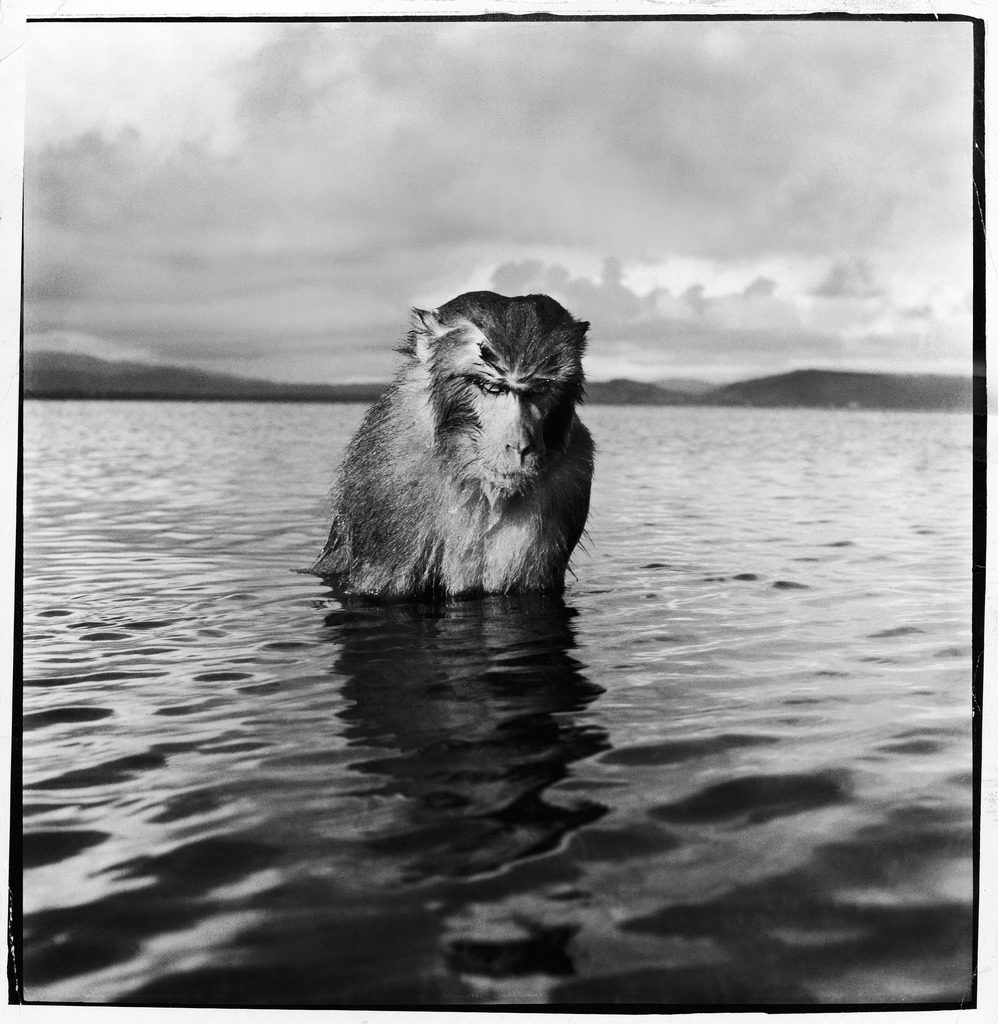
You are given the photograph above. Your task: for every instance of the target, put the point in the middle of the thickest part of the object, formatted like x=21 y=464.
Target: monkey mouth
x=510 y=481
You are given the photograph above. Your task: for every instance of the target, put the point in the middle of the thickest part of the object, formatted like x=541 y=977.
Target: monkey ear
x=426 y=328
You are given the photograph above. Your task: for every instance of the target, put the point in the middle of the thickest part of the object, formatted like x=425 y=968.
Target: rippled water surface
x=733 y=766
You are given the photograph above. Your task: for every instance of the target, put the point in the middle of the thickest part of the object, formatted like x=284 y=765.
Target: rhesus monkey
x=471 y=474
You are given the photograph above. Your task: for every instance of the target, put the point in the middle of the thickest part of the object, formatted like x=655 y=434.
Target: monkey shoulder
x=388 y=456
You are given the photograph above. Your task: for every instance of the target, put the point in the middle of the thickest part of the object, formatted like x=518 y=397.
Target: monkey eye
x=490 y=387
x=537 y=388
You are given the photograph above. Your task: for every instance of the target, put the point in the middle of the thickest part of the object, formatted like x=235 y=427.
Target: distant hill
x=633 y=392
x=69 y=375
x=836 y=389
x=688 y=385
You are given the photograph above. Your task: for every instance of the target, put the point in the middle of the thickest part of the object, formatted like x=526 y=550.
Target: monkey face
x=503 y=376
x=509 y=444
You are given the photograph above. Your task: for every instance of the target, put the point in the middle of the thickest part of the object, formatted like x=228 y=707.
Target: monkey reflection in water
x=471 y=711
x=471 y=474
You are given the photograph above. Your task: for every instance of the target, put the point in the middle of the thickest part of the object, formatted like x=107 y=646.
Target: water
x=733 y=766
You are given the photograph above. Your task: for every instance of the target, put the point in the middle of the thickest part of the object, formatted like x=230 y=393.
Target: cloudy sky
x=719 y=199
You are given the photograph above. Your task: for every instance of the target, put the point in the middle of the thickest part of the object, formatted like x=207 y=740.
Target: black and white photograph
x=500 y=511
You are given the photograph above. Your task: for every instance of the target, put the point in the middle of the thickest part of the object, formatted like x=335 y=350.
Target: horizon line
x=661 y=382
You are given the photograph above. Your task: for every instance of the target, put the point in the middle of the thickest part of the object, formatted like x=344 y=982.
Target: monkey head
x=503 y=377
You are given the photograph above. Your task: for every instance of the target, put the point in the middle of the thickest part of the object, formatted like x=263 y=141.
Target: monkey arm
x=570 y=490
x=384 y=492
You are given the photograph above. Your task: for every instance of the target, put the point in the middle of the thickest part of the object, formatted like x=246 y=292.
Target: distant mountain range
x=690 y=385
x=836 y=389
x=55 y=375
x=70 y=375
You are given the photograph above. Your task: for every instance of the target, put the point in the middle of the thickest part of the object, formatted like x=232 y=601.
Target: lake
x=731 y=767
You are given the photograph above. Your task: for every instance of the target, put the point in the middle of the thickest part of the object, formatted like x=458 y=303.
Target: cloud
x=761 y=287
x=851 y=279
x=174 y=82
x=616 y=305
x=745 y=331
x=306 y=182
x=648 y=335
x=632 y=137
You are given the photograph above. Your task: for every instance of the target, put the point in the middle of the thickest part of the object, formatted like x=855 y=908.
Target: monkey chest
x=497 y=550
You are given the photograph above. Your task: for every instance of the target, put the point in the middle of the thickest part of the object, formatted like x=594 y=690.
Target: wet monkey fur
x=471 y=474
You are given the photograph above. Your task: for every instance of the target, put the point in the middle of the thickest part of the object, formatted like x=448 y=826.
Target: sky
x=720 y=200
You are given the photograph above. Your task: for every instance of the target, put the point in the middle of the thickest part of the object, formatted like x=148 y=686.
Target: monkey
x=471 y=475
